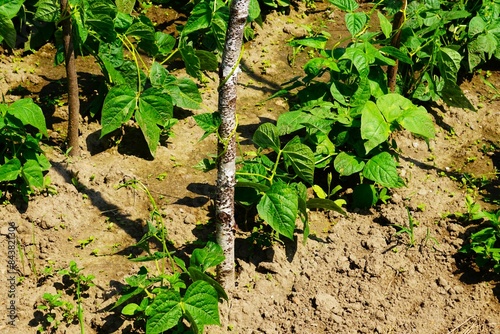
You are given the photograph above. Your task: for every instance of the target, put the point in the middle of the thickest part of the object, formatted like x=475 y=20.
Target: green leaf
x=164 y=313
x=266 y=136
x=200 y=18
x=125 y=6
x=10 y=8
x=141 y=29
x=185 y=93
x=218 y=29
x=374 y=128
x=393 y=106
x=159 y=103
x=346 y=5
x=383 y=170
x=32 y=174
x=158 y=75
x=253 y=10
x=476 y=26
x=385 y=24
x=130 y=309
x=301 y=158
x=318 y=42
x=347 y=164
x=396 y=53
x=279 y=207
x=164 y=42
x=155 y=109
x=325 y=204
x=191 y=60
x=418 y=121
x=7 y=31
x=209 y=122
x=291 y=121
x=208 y=60
x=29 y=114
x=201 y=304
x=209 y=256
x=355 y=22
x=118 y=108
x=449 y=63
x=79 y=25
x=10 y=170
x=359 y=60
x=197 y=275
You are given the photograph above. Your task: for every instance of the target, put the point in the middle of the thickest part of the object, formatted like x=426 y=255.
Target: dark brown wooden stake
x=397 y=23
x=73 y=97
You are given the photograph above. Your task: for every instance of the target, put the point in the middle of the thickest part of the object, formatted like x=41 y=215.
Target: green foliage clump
x=22 y=162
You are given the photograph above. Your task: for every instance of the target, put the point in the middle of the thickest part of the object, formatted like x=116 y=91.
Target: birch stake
x=226 y=169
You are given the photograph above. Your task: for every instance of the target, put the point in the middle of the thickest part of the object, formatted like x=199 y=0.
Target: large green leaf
x=32 y=174
x=209 y=122
x=200 y=18
x=355 y=22
x=201 y=304
x=164 y=313
x=209 y=256
x=449 y=63
x=185 y=93
x=160 y=104
x=279 y=207
x=159 y=76
x=291 y=121
x=359 y=60
x=383 y=170
x=266 y=136
x=396 y=53
x=374 y=128
x=7 y=31
x=393 y=106
x=118 y=108
x=155 y=109
x=125 y=6
x=10 y=8
x=418 y=121
x=476 y=26
x=191 y=60
x=317 y=42
x=218 y=28
x=142 y=29
x=29 y=114
x=301 y=158
x=10 y=170
x=347 y=164
x=385 y=24
x=325 y=204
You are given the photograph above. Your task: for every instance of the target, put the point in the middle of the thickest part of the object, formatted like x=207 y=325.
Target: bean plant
x=22 y=161
x=175 y=291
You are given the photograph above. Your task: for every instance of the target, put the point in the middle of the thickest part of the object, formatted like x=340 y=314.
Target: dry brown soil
x=353 y=275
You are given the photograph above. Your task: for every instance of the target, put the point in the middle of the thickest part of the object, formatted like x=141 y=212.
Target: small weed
x=408 y=230
x=83 y=243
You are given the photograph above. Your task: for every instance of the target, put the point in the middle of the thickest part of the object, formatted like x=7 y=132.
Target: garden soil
x=354 y=274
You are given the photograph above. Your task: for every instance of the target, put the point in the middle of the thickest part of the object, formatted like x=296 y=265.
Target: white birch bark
x=228 y=76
